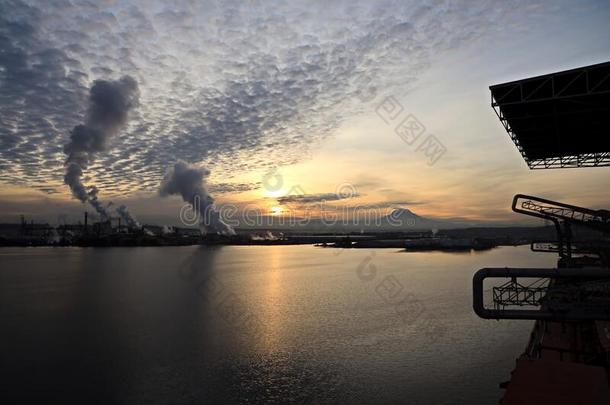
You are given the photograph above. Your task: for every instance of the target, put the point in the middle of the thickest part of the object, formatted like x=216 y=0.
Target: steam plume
x=129 y=219
x=188 y=181
x=109 y=105
x=95 y=203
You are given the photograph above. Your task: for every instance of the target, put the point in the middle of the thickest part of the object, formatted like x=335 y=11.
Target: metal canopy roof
x=560 y=119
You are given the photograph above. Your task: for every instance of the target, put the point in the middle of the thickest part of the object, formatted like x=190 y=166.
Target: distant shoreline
x=442 y=240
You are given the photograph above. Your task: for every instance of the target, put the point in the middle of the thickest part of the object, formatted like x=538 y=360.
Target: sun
x=276 y=210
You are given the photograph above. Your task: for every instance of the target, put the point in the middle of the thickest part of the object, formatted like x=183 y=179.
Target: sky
x=285 y=104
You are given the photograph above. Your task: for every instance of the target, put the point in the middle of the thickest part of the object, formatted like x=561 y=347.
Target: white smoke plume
x=95 y=202
x=109 y=105
x=126 y=216
x=188 y=181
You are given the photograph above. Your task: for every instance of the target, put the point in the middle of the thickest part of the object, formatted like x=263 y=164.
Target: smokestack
x=86 y=216
x=119 y=224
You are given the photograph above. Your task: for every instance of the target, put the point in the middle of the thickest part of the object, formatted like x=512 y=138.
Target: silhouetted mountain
x=405 y=219
x=400 y=219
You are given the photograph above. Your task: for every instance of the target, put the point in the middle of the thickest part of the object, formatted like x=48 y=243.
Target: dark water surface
x=259 y=323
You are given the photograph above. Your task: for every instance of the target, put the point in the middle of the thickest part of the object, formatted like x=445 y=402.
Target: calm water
x=201 y=324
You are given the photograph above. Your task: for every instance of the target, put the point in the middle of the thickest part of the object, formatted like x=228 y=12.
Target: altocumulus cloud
x=313 y=198
x=233 y=86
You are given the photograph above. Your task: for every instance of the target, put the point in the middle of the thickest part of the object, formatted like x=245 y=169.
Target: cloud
x=222 y=188
x=313 y=198
x=48 y=190
x=233 y=87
